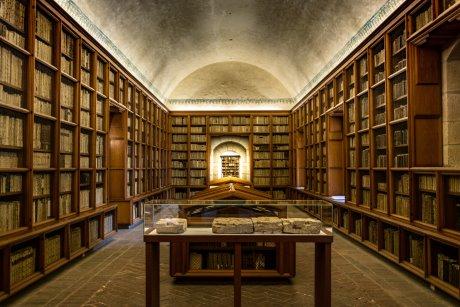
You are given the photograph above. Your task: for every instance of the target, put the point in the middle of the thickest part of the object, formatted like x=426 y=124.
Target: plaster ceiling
x=233 y=49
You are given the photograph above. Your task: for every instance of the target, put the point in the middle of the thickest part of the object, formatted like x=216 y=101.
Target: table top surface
x=205 y=234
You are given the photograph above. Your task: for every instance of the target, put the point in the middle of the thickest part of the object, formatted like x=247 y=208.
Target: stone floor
x=113 y=275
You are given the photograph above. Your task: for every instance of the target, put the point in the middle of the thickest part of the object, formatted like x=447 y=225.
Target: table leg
x=323 y=274
x=237 y=276
x=152 y=277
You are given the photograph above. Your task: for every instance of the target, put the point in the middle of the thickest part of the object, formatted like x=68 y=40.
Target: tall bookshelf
x=400 y=200
x=269 y=136
x=57 y=90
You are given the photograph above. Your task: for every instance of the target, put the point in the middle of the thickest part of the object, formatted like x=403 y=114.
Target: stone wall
x=451 y=105
x=225 y=144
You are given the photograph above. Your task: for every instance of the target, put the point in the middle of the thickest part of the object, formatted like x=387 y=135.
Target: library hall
x=230 y=153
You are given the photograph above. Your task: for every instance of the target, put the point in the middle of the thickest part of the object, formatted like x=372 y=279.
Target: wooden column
x=322 y=274
x=152 y=272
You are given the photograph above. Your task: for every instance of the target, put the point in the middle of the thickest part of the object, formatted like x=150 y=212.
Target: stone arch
x=451 y=104
x=224 y=145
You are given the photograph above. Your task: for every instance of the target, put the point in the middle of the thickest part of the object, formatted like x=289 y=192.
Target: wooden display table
x=322 y=243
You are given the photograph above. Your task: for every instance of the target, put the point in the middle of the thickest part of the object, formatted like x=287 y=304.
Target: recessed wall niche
x=225 y=146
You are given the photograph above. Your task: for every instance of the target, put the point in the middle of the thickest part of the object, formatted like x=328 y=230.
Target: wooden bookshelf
x=56 y=106
x=400 y=200
x=269 y=136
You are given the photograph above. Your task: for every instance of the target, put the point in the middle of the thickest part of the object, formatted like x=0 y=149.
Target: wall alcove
x=229 y=146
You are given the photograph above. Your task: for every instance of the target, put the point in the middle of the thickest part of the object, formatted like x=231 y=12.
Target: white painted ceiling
x=229 y=49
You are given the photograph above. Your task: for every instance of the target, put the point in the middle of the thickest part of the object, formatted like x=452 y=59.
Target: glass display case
x=237 y=217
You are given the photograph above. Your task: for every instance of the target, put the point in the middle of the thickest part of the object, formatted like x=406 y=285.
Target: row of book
x=262 y=172
x=240 y=120
x=84 y=199
x=11 y=133
x=365 y=197
x=65 y=204
x=198 y=120
x=402 y=206
x=218 y=120
x=179 y=129
x=379 y=57
x=85 y=142
x=100 y=144
x=400 y=137
x=365 y=157
x=218 y=129
x=423 y=18
x=373 y=236
x=66 y=145
x=10 y=215
x=41 y=184
x=399 y=42
x=416 y=251
x=429 y=209
x=178 y=181
x=93 y=230
x=179 y=138
x=381 y=141
x=100 y=199
x=41 y=209
x=381 y=160
x=402 y=184
x=67 y=95
x=178 y=155
x=427 y=182
x=198 y=173
x=42 y=136
x=261 y=180
x=199 y=129
x=280 y=163
x=381 y=202
x=454 y=184
x=241 y=129
x=399 y=89
x=75 y=239
x=197 y=181
x=400 y=112
x=401 y=160
x=179 y=146
x=42 y=160
x=198 y=147
x=179 y=120
x=12 y=68
x=379 y=75
x=358 y=227
x=10 y=183
x=380 y=118
x=52 y=249
x=391 y=240
x=280 y=139
x=365 y=139
x=262 y=164
x=22 y=264
x=67 y=50
x=178 y=164
x=198 y=164
x=281 y=181
x=178 y=173
x=108 y=223
x=448 y=269
x=280 y=129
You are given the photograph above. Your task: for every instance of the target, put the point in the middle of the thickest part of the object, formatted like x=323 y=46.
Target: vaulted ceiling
x=229 y=49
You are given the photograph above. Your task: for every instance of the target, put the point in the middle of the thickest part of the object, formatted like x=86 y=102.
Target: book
x=52 y=249
x=67 y=50
x=108 y=223
x=75 y=239
x=22 y=264
x=11 y=133
x=10 y=215
x=44 y=37
x=12 y=77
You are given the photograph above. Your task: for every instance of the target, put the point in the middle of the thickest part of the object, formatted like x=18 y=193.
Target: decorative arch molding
x=221 y=146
